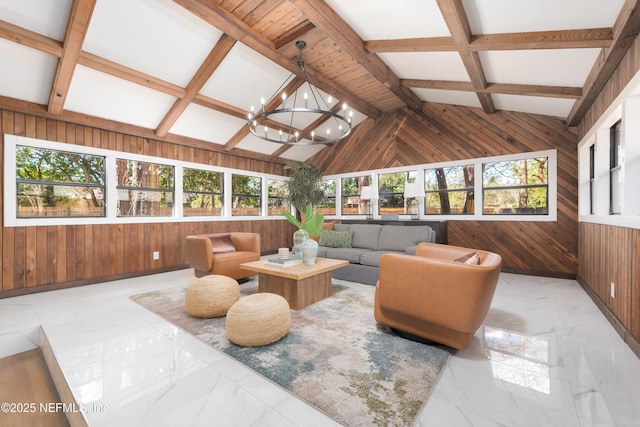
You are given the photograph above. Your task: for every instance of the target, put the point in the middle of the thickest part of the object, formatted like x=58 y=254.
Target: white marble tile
x=545 y=356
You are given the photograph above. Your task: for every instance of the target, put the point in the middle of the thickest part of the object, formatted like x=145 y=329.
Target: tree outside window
x=246 y=197
x=202 y=192
x=516 y=187
x=391 y=191
x=351 y=190
x=144 y=189
x=449 y=190
x=328 y=207
x=277 y=202
x=59 y=184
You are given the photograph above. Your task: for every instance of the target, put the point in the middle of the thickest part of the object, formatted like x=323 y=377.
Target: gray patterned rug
x=335 y=357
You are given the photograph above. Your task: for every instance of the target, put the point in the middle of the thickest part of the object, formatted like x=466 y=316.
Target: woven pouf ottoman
x=258 y=319
x=211 y=296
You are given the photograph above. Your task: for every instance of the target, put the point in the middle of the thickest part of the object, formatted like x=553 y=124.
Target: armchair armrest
x=200 y=252
x=444 y=292
x=249 y=242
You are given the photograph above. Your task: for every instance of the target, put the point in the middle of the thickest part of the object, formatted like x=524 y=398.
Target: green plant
x=305 y=187
x=313 y=225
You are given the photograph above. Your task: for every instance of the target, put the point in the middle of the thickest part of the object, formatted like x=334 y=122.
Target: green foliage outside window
x=351 y=188
x=516 y=187
x=277 y=191
x=144 y=189
x=59 y=183
x=449 y=190
x=202 y=192
x=246 y=197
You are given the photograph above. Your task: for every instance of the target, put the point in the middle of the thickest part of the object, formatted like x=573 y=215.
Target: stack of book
x=286 y=262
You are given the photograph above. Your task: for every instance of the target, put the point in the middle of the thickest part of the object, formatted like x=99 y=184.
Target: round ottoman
x=258 y=319
x=211 y=296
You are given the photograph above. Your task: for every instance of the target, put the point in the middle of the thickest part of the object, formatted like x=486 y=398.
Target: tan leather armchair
x=431 y=296
x=204 y=261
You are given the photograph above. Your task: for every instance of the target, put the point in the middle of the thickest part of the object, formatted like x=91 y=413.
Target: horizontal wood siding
x=443 y=133
x=57 y=256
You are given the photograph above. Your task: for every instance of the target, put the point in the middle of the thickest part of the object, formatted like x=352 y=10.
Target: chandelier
x=297 y=120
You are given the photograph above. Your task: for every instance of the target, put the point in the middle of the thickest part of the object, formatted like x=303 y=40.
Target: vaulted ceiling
x=189 y=70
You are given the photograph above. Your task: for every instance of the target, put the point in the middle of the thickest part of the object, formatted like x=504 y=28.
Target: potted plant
x=305 y=187
x=302 y=244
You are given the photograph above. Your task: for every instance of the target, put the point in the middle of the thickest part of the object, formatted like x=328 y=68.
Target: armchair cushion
x=222 y=243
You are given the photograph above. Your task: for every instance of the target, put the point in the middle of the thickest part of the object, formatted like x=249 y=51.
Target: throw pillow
x=472 y=258
x=222 y=244
x=336 y=239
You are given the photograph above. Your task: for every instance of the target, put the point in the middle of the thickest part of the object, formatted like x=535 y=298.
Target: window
x=144 y=189
x=516 y=187
x=328 y=207
x=202 y=192
x=53 y=183
x=277 y=202
x=615 y=170
x=351 y=190
x=246 y=195
x=592 y=178
x=449 y=190
x=391 y=191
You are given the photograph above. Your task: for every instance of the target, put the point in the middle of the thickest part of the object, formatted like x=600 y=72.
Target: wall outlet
x=613 y=290
x=156 y=255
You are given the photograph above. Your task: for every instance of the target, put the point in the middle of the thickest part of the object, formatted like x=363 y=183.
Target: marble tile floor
x=544 y=357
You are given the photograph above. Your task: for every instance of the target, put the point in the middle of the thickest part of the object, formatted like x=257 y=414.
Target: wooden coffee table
x=301 y=285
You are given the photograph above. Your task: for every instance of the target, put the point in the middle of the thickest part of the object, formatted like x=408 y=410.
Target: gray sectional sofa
x=368 y=243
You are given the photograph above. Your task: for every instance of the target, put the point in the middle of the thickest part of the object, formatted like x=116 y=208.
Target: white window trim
x=626 y=106
x=11 y=219
x=552 y=182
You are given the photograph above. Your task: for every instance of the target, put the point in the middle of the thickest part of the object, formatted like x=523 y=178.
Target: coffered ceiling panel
x=426 y=65
x=46 y=17
x=468 y=99
x=534 y=104
x=302 y=153
x=207 y=124
x=26 y=73
x=566 y=67
x=509 y=16
x=373 y=19
x=156 y=37
x=243 y=77
x=119 y=99
x=251 y=143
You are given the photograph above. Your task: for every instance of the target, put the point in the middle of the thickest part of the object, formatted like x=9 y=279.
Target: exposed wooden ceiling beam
x=234 y=27
x=625 y=30
x=112 y=68
x=210 y=64
x=494 y=88
x=326 y=19
x=293 y=34
x=456 y=20
x=79 y=18
x=566 y=39
x=29 y=38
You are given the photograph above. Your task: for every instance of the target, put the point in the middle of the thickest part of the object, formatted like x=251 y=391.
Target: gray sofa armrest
x=410 y=250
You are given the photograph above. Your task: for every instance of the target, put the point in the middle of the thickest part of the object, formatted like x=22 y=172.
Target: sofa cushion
x=222 y=244
x=398 y=237
x=372 y=259
x=336 y=239
x=340 y=227
x=348 y=254
x=365 y=236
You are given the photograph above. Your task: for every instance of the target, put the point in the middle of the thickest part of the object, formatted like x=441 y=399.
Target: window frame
x=615 y=167
x=286 y=204
x=451 y=190
x=10 y=205
x=344 y=197
x=478 y=215
x=213 y=194
x=259 y=195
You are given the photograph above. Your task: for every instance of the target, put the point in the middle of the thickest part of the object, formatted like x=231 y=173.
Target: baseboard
x=624 y=333
x=539 y=273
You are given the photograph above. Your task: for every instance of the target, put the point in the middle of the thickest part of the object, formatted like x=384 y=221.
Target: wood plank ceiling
x=340 y=59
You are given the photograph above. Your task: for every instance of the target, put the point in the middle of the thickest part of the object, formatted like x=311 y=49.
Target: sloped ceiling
x=190 y=70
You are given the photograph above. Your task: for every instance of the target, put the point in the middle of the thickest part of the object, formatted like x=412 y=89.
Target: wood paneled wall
x=610 y=254
x=443 y=133
x=40 y=258
x=607 y=253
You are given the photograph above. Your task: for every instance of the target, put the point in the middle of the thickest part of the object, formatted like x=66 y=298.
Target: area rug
x=335 y=357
